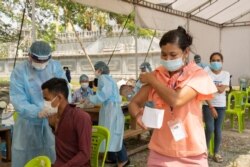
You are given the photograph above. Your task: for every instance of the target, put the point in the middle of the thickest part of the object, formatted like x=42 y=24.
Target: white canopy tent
x=216 y=25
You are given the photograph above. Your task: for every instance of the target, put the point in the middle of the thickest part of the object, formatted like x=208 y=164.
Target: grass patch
x=4 y=82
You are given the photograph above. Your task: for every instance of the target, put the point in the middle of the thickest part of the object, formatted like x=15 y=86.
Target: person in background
x=126 y=91
x=110 y=114
x=32 y=135
x=93 y=85
x=67 y=73
x=73 y=126
x=197 y=59
x=145 y=67
x=178 y=88
x=214 y=110
x=84 y=91
x=131 y=82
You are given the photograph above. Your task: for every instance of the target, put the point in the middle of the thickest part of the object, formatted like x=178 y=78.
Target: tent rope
x=20 y=33
x=119 y=38
x=150 y=46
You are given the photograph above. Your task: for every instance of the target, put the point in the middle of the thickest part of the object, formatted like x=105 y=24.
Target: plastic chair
x=248 y=101
x=99 y=134
x=236 y=106
x=40 y=161
x=127 y=122
x=211 y=145
x=15 y=116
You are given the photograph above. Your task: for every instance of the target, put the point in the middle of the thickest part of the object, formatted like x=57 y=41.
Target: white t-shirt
x=223 y=78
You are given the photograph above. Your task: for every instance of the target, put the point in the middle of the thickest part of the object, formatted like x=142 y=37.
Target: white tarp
x=116 y=6
x=235 y=46
x=206 y=39
x=232 y=42
x=148 y=18
x=218 y=11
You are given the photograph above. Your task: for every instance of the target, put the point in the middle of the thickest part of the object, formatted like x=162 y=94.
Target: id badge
x=177 y=129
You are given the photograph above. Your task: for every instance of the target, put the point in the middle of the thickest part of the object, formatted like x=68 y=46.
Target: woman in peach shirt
x=177 y=87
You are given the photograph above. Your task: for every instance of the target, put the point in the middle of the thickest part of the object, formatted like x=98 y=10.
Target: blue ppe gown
x=32 y=136
x=110 y=114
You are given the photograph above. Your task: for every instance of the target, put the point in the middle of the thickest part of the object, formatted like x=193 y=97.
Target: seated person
x=131 y=82
x=126 y=91
x=73 y=126
x=84 y=91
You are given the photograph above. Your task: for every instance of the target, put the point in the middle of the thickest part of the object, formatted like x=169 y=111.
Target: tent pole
x=20 y=33
x=150 y=46
x=33 y=32
x=118 y=39
x=136 y=49
x=220 y=39
x=80 y=42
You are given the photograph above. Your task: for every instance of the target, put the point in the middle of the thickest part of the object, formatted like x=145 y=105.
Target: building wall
x=121 y=65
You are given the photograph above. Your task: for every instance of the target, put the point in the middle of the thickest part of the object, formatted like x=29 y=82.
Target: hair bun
x=181 y=29
x=188 y=37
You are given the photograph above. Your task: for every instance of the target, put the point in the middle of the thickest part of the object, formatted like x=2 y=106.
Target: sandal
x=217 y=158
x=126 y=164
x=110 y=162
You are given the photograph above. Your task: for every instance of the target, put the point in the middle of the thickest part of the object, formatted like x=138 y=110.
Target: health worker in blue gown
x=32 y=135
x=110 y=114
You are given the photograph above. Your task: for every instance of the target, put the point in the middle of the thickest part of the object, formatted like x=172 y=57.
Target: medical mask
x=216 y=65
x=39 y=66
x=172 y=65
x=48 y=107
x=130 y=96
x=85 y=85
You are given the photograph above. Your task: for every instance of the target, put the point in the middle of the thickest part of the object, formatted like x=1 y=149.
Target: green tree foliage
x=54 y=16
x=6 y=33
x=121 y=20
x=3 y=50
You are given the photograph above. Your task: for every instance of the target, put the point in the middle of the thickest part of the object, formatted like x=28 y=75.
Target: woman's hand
x=214 y=112
x=139 y=119
x=147 y=77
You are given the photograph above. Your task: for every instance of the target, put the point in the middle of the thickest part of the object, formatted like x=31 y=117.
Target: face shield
x=145 y=67
x=40 y=53
x=101 y=68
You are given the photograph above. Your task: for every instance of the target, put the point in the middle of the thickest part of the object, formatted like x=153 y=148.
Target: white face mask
x=39 y=66
x=48 y=107
x=85 y=85
x=172 y=65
